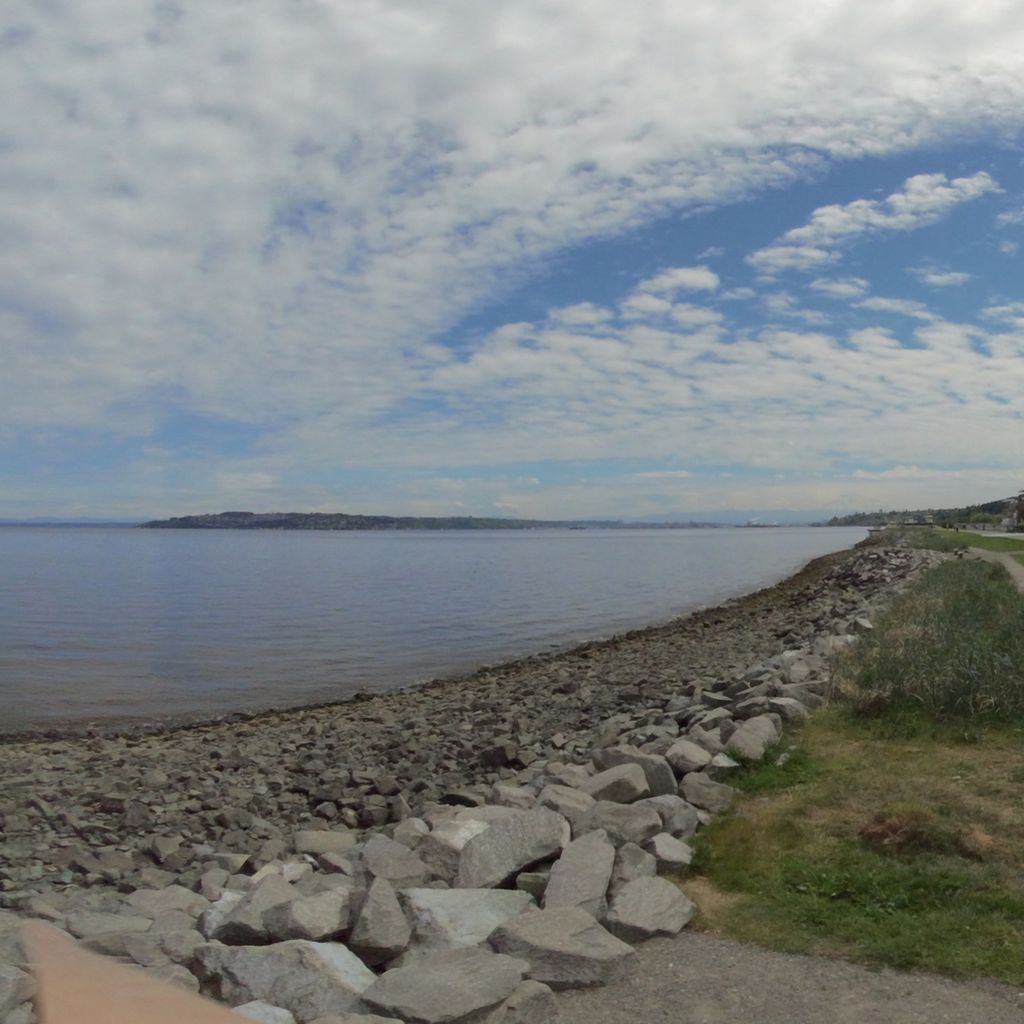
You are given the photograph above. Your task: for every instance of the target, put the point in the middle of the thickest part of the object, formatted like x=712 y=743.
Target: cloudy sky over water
x=539 y=258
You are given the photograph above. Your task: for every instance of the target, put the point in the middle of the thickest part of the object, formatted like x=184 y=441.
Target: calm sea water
x=102 y=624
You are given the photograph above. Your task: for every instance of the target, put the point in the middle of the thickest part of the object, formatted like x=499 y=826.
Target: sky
x=544 y=258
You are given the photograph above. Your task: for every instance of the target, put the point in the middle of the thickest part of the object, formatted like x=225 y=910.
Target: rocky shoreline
x=511 y=827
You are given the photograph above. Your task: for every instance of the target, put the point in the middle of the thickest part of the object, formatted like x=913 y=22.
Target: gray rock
x=687 y=756
x=753 y=738
x=16 y=987
x=661 y=779
x=264 y=1013
x=678 y=818
x=210 y=920
x=572 y=804
x=534 y=882
x=325 y=915
x=154 y=902
x=490 y=859
x=622 y=784
x=789 y=708
x=410 y=832
x=356 y=1018
x=381 y=931
x=106 y=933
x=632 y=863
x=244 y=924
x=648 y=907
x=442 y=849
x=702 y=791
x=531 y=1003
x=446 y=986
x=581 y=875
x=565 y=947
x=671 y=854
x=519 y=797
x=393 y=862
x=721 y=767
x=459 y=918
x=325 y=841
x=152 y=949
x=624 y=823
x=311 y=979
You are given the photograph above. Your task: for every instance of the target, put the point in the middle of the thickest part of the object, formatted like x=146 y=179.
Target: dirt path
x=702 y=979
x=1007 y=561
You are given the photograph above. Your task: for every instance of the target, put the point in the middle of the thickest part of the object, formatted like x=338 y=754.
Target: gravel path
x=702 y=979
x=1007 y=561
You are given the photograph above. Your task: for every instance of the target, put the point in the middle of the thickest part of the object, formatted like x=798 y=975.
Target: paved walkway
x=1003 y=558
x=702 y=979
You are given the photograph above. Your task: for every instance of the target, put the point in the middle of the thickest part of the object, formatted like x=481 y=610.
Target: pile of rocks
x=334 y=891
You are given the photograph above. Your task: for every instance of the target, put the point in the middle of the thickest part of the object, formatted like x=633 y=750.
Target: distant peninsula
x=343 y=521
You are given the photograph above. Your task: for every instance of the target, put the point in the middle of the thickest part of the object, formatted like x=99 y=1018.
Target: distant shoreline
x=344 y=521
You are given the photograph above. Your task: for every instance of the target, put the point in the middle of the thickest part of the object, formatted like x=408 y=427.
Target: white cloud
x=681 y=278
x=925 y=198
x=665 y=474
x=904 y=307
x=840 y=288
x=940 y=278
x=1010 y=218
x=688 y=315
x=581 y=314
x=1009 y=248
x=269 y=214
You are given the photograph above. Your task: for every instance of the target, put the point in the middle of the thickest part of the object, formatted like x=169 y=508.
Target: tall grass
x=951 y=646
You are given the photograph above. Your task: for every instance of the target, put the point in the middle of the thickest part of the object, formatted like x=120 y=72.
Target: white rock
x=648 y=907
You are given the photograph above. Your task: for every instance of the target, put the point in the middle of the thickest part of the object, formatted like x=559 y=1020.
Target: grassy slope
x=894 y=832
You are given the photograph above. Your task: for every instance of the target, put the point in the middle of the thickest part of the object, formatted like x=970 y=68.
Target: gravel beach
x=141 y=844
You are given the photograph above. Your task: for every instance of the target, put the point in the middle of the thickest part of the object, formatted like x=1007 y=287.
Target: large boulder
x=244 y=924
x=493 y=857
x=395 y=863
x=623 y=823
x=323 y=915
x=678 y=818
x=701 y=790
x=753 y=737
x=622 y=784
x=581 y=875
x=672 y=855
x=631 y=863
x=648 y=907
x=459 y=918
x=325 y=841
x=263 y=1013
x=658 y=772
x=446 y=986
x=565 y=947
x=310 y=979
x=531 y=1003
x=442 y=848
x=571 y=803
x=381 y=931
x=686 y=756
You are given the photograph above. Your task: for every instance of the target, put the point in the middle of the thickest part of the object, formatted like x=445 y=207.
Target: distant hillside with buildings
x=1004 y=513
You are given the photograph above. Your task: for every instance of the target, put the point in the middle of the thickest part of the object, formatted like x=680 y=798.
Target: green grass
x=952 y=647
x=805 y=864
x=980 y=540
x=934 y=540
x=892 y=831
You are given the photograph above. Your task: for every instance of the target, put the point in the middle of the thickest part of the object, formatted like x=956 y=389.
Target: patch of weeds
x=952 y=647
x=906 y=828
